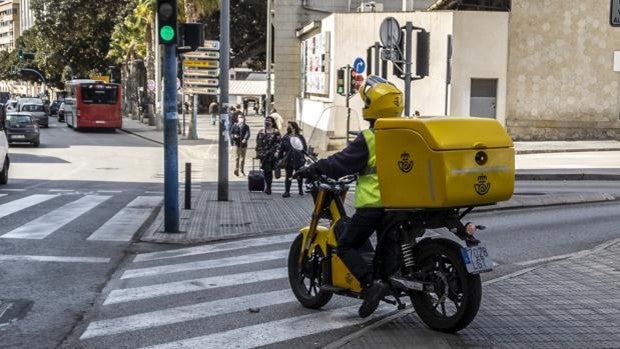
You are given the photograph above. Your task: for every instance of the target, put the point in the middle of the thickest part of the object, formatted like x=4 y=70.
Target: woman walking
x=267 y=145
x=293 y=159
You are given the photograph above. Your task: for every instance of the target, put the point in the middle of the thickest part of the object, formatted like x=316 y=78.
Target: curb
x=567 y=176
x=137 y=134
x=546 y=151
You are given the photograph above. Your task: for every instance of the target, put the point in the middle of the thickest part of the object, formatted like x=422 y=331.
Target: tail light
x=77 y=112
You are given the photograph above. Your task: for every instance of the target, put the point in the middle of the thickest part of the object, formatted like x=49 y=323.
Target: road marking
x=219 y=247
x=279 y=330
x=109 y=191
x=1 y=195
x=186 y=313
x=21 y=204
x=127 y=221
x=153 y=192
x=62 y=190
x=49 y=223
x=209 y=264
x=62 y=259
x=172 y=288
x=13 y=189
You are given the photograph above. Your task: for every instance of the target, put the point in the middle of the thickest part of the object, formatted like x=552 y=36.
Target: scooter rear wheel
x=456 y=300
x=306 y=278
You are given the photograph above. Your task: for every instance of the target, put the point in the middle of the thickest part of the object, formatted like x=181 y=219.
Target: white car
x=4 y=156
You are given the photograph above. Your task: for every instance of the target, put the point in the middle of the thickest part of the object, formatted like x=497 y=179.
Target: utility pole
x=268 y=58
x=222 y=175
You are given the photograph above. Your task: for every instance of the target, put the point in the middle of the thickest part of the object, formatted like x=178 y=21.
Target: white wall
x=480 y=51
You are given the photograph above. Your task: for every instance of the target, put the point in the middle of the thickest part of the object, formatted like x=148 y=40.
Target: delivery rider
x=381 y=100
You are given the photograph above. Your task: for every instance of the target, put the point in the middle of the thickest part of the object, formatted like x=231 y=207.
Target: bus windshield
x=99 y=94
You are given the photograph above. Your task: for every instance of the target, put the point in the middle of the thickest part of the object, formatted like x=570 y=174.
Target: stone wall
x=561 y=84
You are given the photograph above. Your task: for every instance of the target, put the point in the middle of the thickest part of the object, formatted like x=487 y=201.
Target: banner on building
x=315 y=58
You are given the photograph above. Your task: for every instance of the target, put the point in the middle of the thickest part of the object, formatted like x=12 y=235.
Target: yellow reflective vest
x=367 y=193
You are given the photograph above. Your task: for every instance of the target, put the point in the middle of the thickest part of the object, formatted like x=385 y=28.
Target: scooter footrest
x=333 y=289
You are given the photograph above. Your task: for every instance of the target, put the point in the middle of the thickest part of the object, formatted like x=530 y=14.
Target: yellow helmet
x=381 y=99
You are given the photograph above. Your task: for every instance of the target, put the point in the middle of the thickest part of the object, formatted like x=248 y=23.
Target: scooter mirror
x=297 y=144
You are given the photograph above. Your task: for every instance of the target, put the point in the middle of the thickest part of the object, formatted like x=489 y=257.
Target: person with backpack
x=291 y=159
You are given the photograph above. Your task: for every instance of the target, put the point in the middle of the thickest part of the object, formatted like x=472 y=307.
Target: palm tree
x=194 y=9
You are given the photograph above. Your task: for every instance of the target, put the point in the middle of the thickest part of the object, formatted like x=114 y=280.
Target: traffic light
x=167 y=22
x=340 y=81
x=20 y=54
x=352 y=83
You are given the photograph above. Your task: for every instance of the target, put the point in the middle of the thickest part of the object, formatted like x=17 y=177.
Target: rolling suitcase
x=256 y=179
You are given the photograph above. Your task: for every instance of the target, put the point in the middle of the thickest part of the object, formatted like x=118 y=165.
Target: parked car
x=54 y=107
x=38 y=113
x=61 y=112
x=10 y=105
x=4 y=156
x=22 y=128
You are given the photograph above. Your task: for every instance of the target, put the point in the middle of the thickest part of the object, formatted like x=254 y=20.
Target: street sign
x=197 y=63
x=359 y=65
x=389 y=32
x=210 y=45
x=211 y=73
x=201 y=90
x=203 y=55
x=614 y=16
x=200 y=82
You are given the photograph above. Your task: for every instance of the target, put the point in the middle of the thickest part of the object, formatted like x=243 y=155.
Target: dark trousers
x=288 y=170
x=267 y=167
x=363 y=223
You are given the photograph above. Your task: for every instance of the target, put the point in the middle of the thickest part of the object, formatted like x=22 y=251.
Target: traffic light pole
x=171 y=142
x=348 y=97
x=222 y=173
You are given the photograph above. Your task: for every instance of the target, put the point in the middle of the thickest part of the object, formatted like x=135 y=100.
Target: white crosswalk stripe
x=1 y=195
x=127 y=221
x=20 y=204
x=220 y=247
x=192 y=285
x=49 y=223
x=121 y=227
x=202 y=265
x=143 y=300
x=277 y=331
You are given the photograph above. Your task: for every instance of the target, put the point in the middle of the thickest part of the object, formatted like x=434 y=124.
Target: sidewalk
x=246 y=214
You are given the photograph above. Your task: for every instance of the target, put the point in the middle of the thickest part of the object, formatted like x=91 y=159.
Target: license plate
x=476 y=259
x=100 y=122
x=18 y=137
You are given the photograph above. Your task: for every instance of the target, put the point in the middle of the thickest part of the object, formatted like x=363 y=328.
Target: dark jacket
x=267 y=145
x=294 y=158
x=243 y=132
x=350 y=160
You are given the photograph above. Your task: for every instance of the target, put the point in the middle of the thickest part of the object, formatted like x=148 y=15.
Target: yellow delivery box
x=443 y=162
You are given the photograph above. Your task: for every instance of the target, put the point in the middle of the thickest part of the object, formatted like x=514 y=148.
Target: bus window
x=99 y=94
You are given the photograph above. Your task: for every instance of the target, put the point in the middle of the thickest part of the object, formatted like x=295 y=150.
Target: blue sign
x=359 y=65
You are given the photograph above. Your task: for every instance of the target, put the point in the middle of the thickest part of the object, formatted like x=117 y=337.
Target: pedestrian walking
x=278 y=118
x=213 y=110
x=267 y=145
x=245 y=106
x=239 y=136
x=290 y=158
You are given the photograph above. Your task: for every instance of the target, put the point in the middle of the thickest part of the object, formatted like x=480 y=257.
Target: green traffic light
x=166 y=33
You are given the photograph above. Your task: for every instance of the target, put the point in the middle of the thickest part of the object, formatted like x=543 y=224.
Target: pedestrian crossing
x=232 y=294
x=59 y=211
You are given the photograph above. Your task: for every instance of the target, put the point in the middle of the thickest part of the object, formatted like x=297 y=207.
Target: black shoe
x=286 y=195
x=373 y=296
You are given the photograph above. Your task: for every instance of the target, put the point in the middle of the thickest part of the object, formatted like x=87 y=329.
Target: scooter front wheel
x=305 y=279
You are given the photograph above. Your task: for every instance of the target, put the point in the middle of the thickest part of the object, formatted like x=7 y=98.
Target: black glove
x=307 y=172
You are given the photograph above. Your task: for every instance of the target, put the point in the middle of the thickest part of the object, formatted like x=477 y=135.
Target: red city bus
x=93 y=104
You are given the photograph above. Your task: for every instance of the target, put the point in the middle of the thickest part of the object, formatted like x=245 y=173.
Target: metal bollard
x=188 y=185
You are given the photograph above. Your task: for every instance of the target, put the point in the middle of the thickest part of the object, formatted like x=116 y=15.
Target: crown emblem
x=405 y=164
x=482 y=187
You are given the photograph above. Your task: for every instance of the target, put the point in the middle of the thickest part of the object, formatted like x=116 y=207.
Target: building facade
x=9 y=24
x=561 y=80
x=26 y=16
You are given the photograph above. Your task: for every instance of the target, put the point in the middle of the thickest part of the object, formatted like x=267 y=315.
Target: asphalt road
x=235 y=294
x=56 y=214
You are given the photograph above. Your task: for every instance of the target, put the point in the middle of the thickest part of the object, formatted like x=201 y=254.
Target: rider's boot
x=373 y=295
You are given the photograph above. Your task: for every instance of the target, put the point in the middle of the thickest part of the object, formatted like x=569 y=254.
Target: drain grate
x=235 y=224
x=13 y=309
